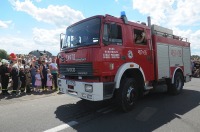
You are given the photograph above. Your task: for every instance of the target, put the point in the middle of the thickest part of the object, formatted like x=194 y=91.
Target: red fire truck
x=103 y=57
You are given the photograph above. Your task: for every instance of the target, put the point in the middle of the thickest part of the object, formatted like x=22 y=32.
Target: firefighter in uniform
x=4 y=76
x=14 y=73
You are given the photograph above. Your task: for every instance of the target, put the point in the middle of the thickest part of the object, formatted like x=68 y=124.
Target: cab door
x=143 y=51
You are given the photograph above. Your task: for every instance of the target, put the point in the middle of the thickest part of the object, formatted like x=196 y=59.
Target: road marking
x=62 y=127
x=146 y=114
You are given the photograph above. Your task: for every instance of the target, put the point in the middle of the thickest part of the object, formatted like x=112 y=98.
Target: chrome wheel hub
x=130 y=95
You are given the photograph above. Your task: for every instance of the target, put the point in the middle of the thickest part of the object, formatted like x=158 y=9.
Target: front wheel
x=128 y=94
x=177 y=86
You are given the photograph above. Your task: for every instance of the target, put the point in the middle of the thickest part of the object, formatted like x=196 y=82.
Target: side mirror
x=61 y=39
x=61 y=42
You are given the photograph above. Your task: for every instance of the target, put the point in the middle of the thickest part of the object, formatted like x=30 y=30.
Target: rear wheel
x=128 y=94
x=177 y=86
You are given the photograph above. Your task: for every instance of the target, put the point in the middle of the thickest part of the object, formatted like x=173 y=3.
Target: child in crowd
x=49 y=80
x=22 y=79
x=38 y=81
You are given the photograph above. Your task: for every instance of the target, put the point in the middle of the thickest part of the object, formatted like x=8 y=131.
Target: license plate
x=71 y=82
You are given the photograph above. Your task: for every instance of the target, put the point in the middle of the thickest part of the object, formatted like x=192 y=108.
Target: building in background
x=38 y=53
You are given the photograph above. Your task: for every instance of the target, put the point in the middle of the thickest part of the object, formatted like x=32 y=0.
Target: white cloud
x=196 y=53
x=170 y=12
x=60 y=16
x=38 y=0
x=179 y=15
x=13 y=44
x=24 y=45
x=186 y=13
x=157 y=9
x=5 y=24
x=192 y=36
x=42 y=39
x=47 y=39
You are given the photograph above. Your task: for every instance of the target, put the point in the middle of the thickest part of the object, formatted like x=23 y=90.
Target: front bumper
x=101 y=91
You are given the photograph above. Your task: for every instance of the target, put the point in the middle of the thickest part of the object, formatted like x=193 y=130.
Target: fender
x=175 y=72
x=123 y=68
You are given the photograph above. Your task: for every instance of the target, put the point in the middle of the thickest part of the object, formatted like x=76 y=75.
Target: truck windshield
x=83 y=34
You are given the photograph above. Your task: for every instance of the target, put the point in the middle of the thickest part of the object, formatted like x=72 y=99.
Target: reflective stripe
x=14 y=90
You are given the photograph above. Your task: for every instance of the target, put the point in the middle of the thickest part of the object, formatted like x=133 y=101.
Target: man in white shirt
x=54 y=71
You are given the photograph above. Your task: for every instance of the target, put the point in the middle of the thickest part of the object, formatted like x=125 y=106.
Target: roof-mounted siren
x=123 y=16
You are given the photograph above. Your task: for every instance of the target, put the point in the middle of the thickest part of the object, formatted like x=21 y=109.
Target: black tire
x=177 y=86
x=127 y=94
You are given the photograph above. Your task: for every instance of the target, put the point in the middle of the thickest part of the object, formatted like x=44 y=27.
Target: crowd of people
x=27 y=74
x=196 y=67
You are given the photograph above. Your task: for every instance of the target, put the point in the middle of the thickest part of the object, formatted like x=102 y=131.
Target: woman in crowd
x=33 y=69
x=43 y=69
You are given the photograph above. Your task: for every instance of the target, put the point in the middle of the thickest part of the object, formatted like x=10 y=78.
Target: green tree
x=3 y=54
x=195 y=57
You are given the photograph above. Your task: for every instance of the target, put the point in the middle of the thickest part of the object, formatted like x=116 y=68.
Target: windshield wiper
x=64 y=47
x=77 y=43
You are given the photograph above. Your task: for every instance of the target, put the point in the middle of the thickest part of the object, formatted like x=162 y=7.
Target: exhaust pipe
x=149 y=21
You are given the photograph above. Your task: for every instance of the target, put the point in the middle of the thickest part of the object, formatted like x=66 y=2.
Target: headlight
x=88 y=88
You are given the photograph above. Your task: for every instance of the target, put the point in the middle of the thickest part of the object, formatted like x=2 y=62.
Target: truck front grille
x=84 y=69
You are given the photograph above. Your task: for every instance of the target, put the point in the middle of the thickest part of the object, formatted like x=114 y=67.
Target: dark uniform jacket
x=3 y=70
x=22 y=76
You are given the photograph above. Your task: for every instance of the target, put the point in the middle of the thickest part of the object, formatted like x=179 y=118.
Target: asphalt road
x=51 y=112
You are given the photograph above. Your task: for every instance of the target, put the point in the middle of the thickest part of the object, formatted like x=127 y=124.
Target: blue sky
x=27 y=25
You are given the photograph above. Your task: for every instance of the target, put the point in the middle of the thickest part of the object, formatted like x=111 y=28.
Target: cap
x=13 y=57
x=4 y=61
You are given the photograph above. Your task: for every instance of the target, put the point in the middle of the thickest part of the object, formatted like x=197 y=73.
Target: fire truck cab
x=102 y=57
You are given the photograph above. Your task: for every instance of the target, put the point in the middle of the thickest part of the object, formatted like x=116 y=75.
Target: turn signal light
x=111 y=66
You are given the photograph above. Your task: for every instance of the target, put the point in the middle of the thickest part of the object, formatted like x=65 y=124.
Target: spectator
x=23 y=60
x=28 y=78
x=54 y=71
x=22 y=77
x=37 y=81
x=33 y=69
x=15 y=74
x=49 y=80
x=43 y=70
x=20 y=62
x=4 y=76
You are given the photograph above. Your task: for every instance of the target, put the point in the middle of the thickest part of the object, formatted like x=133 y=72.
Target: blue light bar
x=123 y=13
x=123 y=16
